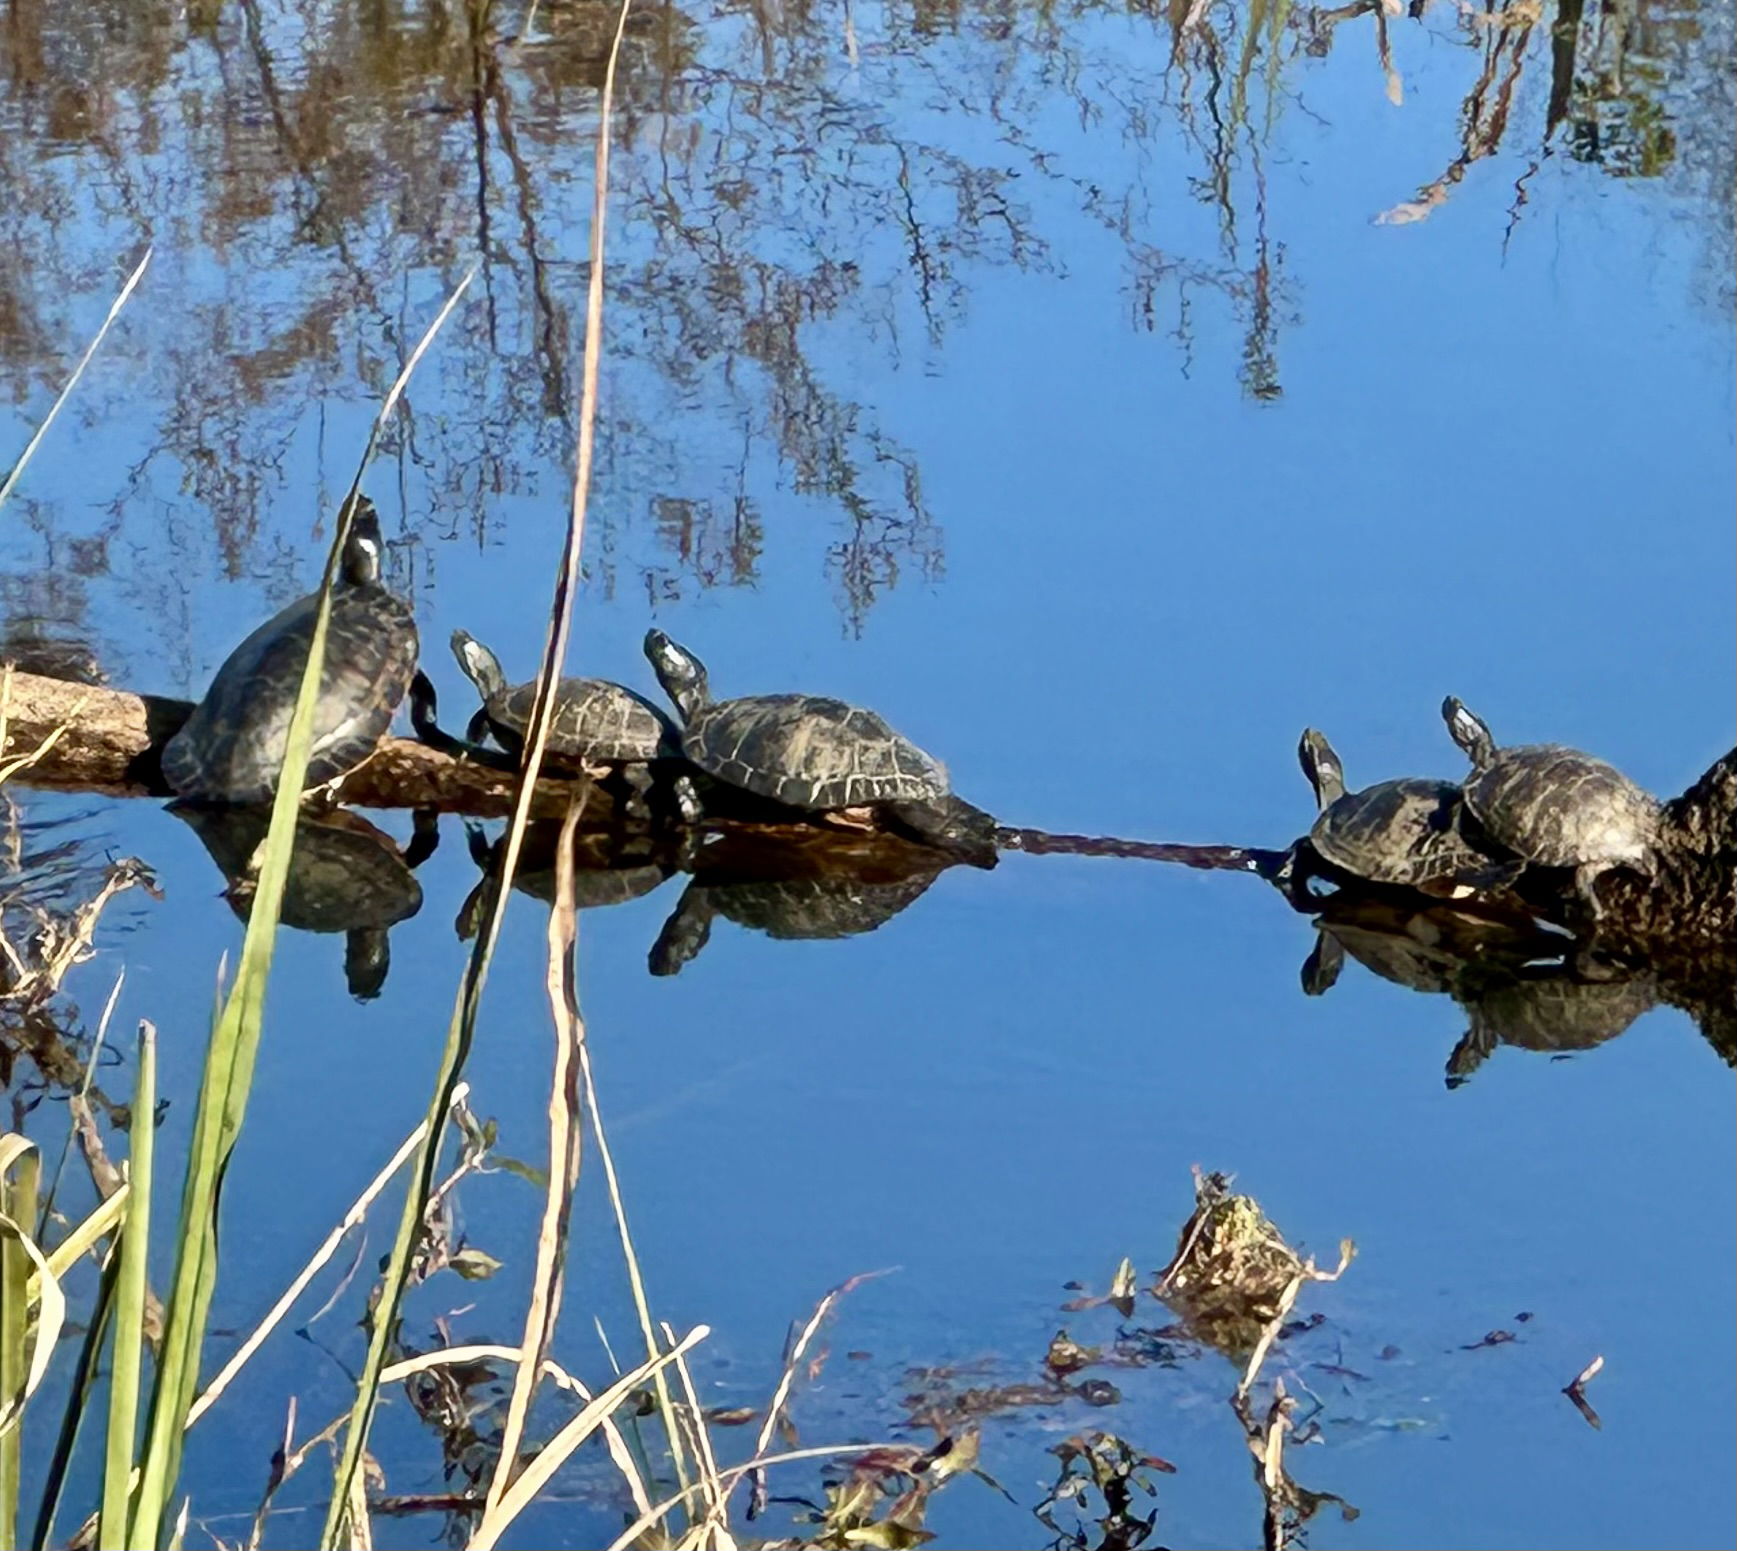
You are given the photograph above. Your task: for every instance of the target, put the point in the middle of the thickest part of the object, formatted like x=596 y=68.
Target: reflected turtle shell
x=343 y=874
x=813 y=908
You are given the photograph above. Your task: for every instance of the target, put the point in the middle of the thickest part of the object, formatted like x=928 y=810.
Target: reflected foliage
x=310 y=172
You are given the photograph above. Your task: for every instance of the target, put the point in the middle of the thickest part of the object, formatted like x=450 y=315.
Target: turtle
x=344 y=876
x=600 y=727
x=1554 y=806
x=831 y=906
x=1405 y=832
x=820 y=755
x=231 y=748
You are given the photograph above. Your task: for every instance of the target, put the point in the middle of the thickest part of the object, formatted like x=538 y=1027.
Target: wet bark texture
x=109 y=742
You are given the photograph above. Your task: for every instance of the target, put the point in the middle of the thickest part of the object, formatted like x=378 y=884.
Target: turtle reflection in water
x=1519 y=983
x=606 y=870
x=818 y=887
x=1431 y=950
x=1546 y=1008
x=344 y=876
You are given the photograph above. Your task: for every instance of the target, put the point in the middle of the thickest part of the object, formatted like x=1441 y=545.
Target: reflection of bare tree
x=310 y=171
x=1631 y=85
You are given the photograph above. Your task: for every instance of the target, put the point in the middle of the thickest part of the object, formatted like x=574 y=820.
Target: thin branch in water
x=328 y=1248
x=1308 y=1273
x=781 y=1395
x=1576 y=1391
x=7 y=485
x=1216 y=858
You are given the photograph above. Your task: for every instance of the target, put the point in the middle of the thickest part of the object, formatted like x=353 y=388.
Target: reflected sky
x=1088 y=425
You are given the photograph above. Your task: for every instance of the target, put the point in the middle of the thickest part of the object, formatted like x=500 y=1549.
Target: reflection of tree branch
x=1484 y=119
x=919 y=253
x=552 y=325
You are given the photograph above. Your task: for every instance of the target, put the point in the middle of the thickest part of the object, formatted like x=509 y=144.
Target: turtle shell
x=1558 y=807
x=232 y=746
x=593 y=719
x=809 y=751
x=1401 y=832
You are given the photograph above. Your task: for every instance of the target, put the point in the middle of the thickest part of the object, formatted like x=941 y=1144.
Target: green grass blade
x=19 y=1173
x=234 y=1049
x=77 y=1403
x=384 y=1316
x=14 y=1315
x=130 y=1304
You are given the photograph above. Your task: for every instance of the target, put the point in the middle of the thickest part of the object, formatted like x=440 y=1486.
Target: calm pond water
x=1102 y=393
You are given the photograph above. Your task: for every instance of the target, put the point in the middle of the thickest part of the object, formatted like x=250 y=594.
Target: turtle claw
x=687 y=800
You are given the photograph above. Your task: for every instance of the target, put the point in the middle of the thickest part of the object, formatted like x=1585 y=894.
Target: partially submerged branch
x=110 y=740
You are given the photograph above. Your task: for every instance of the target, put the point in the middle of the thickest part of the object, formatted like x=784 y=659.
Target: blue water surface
x=1047 y=381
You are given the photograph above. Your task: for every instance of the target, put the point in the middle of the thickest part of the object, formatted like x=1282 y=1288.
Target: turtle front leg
x=1321 y=969
x=687 y=799
x=632 y=783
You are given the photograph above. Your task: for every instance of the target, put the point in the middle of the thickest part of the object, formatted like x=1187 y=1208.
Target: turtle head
x=1468 y=731
x=682 y=674
x=480 y=665
x=365 y=547
x=1321 y=765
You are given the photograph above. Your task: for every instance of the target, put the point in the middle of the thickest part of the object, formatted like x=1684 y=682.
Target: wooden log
x=109 y=740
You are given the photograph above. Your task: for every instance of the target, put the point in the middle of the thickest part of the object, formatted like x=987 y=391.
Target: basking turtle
x=1555 y=806
x=820 y=755
x=626 y=873
x=602 y=728
x=344 y=876
x=787 y=908
x=232 y=746
x=1404 y=832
